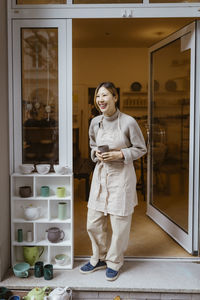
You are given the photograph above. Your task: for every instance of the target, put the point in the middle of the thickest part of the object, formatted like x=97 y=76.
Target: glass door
x=171 y=137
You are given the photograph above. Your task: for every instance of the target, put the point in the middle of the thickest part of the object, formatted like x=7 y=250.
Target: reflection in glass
x=41 y=1
x=39 y=95
x=170 y=131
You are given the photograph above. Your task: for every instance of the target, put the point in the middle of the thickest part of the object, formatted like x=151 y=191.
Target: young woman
x=113 y=188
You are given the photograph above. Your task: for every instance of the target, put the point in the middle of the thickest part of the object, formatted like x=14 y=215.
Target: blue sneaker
x=88 y=268
x=111 y=274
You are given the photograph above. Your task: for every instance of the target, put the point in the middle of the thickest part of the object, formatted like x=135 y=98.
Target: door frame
x=197 y=140
x=115 y=10
x=70 y=12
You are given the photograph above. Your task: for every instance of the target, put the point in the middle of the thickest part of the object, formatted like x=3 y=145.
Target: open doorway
x=117 y=50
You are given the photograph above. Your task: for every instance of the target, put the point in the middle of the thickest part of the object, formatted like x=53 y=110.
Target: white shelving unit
x=48 y=219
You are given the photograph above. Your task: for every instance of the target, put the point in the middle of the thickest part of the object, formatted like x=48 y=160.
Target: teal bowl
x=61 y=259
x=21 y=269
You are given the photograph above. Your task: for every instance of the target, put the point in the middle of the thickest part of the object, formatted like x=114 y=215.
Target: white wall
x=4 y=149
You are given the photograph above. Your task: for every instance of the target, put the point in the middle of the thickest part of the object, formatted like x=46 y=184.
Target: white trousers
x=97 y=230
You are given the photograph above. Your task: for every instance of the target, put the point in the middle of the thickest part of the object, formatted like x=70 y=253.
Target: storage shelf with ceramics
x=134 y=103
x=42 y=220
x=132 y=100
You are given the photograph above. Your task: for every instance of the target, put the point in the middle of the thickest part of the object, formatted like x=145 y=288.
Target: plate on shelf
x=49 y=155
x=170 y=86
x=136 y=86
x=46 y=141
x=31 y=155
x=156 y=85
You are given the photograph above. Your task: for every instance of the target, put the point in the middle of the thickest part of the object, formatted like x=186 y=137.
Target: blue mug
x=15 y=297
x=21 y=269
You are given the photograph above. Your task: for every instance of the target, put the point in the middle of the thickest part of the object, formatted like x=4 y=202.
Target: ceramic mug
x=62 y=210
x=59 y=169
x=38 y=269
x=21 y=269
x=32 y=253
x=103 y=148
x=60 y=191
x=25 y=191
x=55 y=234
x=44 y=191
x=4 y=293
x=26 y=168
x=48 y=272
x=14 y=297
x=43 y=168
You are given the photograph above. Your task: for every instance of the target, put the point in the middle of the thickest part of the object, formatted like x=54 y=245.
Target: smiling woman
x=113 y=188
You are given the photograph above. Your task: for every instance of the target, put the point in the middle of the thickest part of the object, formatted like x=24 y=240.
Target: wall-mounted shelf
x=134 y=100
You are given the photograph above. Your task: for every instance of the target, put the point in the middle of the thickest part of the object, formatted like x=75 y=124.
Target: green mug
x=32 y=253
x=38 y=269
x=4 y=293
x=48 y=272
x=62 y=210
x=60 y=191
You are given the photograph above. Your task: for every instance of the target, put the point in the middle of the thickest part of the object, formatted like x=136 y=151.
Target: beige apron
x=113 y=188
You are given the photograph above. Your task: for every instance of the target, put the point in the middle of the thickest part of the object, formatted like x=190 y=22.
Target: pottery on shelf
x=55 y=234
x=60 y=294
x=43 y=168
x=32 y=212
x=26 y=168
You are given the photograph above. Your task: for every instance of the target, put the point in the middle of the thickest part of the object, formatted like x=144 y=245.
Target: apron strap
x=118 y=122
x=101 y=123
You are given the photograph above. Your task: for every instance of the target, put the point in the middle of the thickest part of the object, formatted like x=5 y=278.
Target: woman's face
x=106 y=101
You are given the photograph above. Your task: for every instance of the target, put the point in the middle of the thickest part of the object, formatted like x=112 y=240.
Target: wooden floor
x=146 y=239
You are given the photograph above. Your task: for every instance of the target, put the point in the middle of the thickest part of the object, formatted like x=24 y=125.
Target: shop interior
x=117 y=50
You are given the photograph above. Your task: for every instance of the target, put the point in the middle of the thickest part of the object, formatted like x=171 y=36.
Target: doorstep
x=157 y=277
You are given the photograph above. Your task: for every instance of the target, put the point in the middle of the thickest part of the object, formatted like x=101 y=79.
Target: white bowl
x=26 y=168
x=61 y=259
x=43 y=168
x=61 y=169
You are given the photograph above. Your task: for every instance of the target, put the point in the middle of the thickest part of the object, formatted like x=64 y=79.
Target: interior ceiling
x=124 y=33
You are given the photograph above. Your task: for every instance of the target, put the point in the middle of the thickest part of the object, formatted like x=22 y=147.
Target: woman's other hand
x=112 y=155
x=99 y=155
